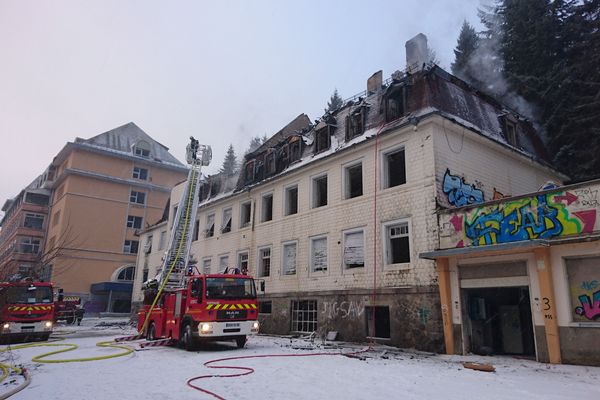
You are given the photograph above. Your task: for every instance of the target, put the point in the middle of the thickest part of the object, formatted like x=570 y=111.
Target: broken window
x=140 y=173
x=291 y=200
x=289 y=258
x=319 y=191
x=353 y=181
x=226 y=226
x=295 y=148
x=33 y=221
x=196 y=230
x=355 y=123
x=394 y=168
x=131 y=246
x=243 y=262
x=210 y=226
x=394 y=103
x=304 y=316
x=206 y=265
x=134 y=222
x=511 y=133
x=318 y=254
x=245 y=213
x=148 y=245
x=354 y=249
x=378 y=321
x=264 y=307
x=137 y=197
x=267 y=207
x=397 y=243
x=270 y=163
x=264 y=261
x=322 y=139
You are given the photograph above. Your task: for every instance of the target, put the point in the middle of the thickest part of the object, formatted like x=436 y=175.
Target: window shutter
x=289 y=259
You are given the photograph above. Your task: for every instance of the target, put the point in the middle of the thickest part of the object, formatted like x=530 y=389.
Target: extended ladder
x=173 y=271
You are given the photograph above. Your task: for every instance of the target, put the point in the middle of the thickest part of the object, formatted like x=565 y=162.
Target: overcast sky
x=221 y=71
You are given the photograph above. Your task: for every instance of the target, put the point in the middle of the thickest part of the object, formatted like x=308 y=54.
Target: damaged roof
x=426 y=92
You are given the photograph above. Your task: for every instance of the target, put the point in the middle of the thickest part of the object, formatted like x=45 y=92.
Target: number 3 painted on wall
x=546 y=303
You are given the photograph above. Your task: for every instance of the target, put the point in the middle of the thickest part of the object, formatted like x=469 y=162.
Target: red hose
x=248 y=370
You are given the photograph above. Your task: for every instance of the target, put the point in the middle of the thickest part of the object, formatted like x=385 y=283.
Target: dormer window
x=142 y=149
x=295 y=149
x=249 y=171
x=511 y=133
x=270 y=163
x=322 y=138
x=355 y=123
x=394 y=102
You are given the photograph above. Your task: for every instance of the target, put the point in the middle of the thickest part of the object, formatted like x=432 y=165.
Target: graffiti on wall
x=543 y=216
x=590 y=308
x=459 y=193
x=344 y=309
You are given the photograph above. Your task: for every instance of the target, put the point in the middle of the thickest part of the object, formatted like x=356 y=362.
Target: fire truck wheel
x=188 y=338
x=151 y=332
x=241 y=342
x=44 y=336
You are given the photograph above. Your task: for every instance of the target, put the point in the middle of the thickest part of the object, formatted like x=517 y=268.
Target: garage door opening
x=499 y=321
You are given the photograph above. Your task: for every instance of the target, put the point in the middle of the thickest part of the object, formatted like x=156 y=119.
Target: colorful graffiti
x=540 y=217
x=590 y=308
x=460 y=193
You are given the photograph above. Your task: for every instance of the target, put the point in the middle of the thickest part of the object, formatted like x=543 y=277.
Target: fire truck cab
x=26 y=310
x=210 y=307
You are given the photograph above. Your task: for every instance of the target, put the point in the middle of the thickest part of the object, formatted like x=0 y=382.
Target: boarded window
x=291 y=200
x=210 y=226
x=289 y=259
x=353 y=181
x=267 y=208
x=398 y=246
x=226 y=227
x=584 y=286
x=319 y=187
x=354 y=249
x=394 y=168
x=319 y=254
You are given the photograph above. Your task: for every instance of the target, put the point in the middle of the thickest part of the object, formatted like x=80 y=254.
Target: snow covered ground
x=382 y=373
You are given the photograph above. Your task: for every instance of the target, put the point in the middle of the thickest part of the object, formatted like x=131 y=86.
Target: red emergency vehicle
x=209 y=307
x=26 y=310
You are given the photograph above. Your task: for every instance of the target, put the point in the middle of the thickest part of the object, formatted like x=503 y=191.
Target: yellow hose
x=41 y=358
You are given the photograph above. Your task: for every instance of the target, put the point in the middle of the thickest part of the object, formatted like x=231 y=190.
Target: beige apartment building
x=105 y=190
x=332 y=216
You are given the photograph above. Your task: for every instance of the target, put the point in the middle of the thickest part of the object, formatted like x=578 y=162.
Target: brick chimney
x=416 y=53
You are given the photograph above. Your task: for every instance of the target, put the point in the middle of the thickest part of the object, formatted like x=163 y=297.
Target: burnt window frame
x=270 y=166
x=295 y=150
x=355 y=123
x=249 y=171
x=346 y=181
x=287 y=209
x=385 y=167
x=245 y=222
x=266 y=213
x=397 y=95
x=322 y=132
x=314 y=188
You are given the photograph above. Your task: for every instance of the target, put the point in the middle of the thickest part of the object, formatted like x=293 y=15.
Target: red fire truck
x=209 y=308
x=26 y=310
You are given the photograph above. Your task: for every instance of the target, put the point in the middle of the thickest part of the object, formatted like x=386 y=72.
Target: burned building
x=332 y=214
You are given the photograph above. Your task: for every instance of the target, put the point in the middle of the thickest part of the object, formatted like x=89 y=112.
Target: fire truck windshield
x=230 y=288
x=26 y=294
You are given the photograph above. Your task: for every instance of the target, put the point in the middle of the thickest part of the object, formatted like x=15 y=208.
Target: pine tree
x=467 y=43
x=230 y=164
x=335 y=102
x=255 y=143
